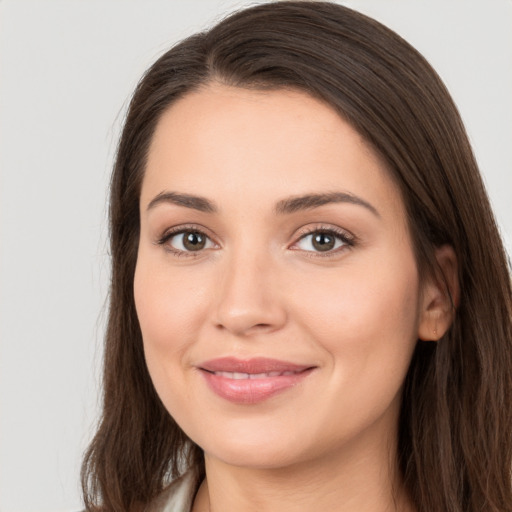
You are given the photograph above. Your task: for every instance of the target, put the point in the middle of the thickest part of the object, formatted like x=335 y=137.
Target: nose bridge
x=248 y=298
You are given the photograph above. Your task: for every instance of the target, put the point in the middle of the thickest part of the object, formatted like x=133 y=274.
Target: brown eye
x=187 y=241
x=323 y=241
x=193 y=241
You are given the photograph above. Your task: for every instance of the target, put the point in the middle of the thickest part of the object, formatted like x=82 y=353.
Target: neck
x=347 y=480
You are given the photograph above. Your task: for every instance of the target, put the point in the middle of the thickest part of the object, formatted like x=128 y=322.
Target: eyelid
x=184 y=228
x=348 y=239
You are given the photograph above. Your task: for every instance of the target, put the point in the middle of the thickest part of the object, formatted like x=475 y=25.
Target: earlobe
x=440 y=296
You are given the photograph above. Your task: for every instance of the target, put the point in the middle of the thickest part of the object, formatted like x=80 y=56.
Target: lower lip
x=252 y=391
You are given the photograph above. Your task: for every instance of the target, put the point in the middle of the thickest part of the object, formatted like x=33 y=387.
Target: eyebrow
x=310 y=201
x=283 y=207
x=188 y=201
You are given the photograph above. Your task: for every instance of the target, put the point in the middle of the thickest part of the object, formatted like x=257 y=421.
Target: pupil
x=323 y=242
x=194 y=241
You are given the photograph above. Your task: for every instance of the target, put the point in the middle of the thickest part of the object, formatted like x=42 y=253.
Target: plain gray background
x=67 y=69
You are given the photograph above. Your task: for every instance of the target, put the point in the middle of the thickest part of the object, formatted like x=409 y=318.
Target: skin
x=259 y=288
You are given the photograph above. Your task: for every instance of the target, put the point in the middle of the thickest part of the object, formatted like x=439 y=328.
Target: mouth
x=241 y=376
x=252 y=381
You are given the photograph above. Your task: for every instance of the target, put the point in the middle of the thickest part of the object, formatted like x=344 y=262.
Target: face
x=276 y=286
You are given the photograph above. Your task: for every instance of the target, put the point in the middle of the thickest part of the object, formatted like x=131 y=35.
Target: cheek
x=382 y=301
x=168 y=303
x=169 y=311
x=366 y=324
x=365 y=318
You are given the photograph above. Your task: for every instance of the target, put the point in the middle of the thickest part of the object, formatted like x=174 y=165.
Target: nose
x=249 y=300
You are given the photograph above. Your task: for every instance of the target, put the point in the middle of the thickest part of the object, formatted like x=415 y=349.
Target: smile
x=240 y=376
x=251 y=381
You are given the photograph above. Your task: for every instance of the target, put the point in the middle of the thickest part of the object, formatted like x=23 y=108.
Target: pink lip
x=254 y=387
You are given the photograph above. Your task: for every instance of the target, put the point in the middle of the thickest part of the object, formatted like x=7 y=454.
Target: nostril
x=229 y=326
x=241 y=328
x=248 y=312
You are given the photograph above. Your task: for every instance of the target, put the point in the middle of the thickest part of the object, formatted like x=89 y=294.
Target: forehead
x=241 y=143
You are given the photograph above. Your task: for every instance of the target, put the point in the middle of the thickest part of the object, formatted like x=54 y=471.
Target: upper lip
x=252 y=366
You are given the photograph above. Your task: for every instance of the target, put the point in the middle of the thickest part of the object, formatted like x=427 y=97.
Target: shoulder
x=178 y=496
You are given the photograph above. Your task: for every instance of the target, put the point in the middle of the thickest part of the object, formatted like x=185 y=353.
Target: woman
x=310 y=302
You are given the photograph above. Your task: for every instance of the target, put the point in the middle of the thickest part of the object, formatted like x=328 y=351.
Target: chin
x=263 y=446
x=256 y=456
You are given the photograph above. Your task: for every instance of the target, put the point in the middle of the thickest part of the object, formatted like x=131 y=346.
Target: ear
x=440 y=296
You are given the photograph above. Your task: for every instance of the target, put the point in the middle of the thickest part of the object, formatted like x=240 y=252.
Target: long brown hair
x=455 y=450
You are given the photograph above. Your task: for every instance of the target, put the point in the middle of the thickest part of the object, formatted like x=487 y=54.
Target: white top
x=178 y=497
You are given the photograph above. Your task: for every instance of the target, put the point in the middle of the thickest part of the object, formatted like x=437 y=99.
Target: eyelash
x=179 y=230
x=347 y=239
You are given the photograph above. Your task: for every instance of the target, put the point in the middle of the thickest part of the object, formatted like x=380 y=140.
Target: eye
x=323 y=241
x=186 y=240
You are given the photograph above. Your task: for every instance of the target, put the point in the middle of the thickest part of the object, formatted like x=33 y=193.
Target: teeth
x=233 y=375
x=241 y=376
x=261 y=375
